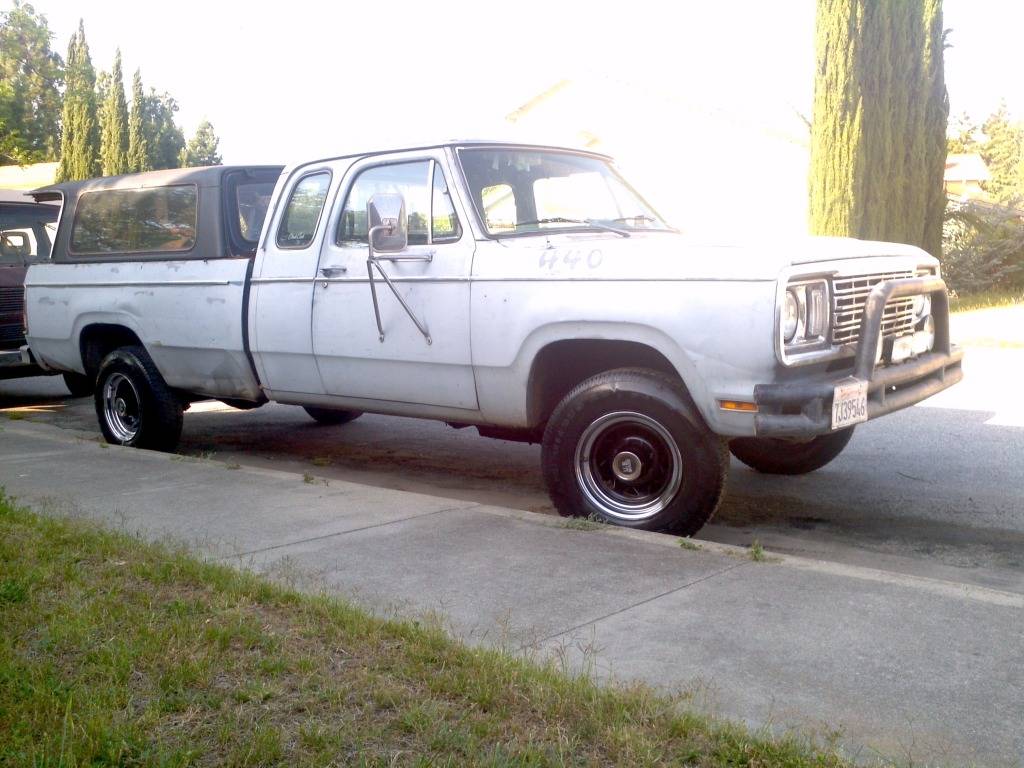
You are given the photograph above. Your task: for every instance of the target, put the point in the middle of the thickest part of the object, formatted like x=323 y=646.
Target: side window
x=115 y=221
x=429 y=210
x=499 y=207
x=411 y=180
x=302 y=214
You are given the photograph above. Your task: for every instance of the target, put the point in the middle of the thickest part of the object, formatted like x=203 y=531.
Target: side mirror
x=388 y=226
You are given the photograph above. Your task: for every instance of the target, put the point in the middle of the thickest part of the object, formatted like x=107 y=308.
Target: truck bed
x=187 y=313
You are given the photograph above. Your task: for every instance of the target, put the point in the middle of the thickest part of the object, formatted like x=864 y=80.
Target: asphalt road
x=936 y=490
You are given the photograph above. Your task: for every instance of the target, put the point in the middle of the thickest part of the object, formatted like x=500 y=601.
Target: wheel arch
x=561 y=362
x=98 y=338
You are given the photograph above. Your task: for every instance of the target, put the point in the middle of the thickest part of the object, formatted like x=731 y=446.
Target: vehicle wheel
x=777 y=456
x=78 y=384
x=329 y=416
x=134 y=404
x=629 y=448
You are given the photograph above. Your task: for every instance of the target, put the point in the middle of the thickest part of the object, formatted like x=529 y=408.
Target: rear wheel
x=78 y=384
x=629 y=448
x=329 y=416
x=134 y=405
x=778 y=456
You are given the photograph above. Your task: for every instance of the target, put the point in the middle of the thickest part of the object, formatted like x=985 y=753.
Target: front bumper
x=804 y=408
x=18 y=363
x=13 y=358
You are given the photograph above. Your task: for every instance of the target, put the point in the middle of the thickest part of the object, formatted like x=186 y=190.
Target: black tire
x=79 y=385
x=628 y=447
x=134 y=405
x=330 y=416
x=776 y=456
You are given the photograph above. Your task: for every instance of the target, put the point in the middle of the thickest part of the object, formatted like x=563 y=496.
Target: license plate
x=849 y=403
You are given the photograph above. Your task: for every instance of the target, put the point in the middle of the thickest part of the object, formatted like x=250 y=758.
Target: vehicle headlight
x=790 y=316
x=805 y=314
x=921 y=306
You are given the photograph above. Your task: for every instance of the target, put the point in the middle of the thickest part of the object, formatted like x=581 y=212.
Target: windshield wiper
x=586 y=222
x=645 y=218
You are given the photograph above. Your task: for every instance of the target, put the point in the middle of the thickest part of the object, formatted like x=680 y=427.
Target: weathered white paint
x=490 y=307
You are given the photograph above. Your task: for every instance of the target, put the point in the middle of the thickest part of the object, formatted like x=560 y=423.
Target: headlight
x=921 y=306
x=805 y=315
x=790 y=316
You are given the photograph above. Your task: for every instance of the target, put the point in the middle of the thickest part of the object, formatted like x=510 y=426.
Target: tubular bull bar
x=805 y=408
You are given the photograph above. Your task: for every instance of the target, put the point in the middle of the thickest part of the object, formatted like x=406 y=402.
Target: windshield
x=520 y=191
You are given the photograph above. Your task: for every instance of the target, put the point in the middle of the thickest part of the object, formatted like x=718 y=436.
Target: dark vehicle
x=27 y=231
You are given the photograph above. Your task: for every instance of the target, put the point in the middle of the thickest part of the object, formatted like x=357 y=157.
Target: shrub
x=983 y=248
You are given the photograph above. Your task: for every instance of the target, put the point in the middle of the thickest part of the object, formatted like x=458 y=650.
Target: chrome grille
x=11 y=299
x=850 y=294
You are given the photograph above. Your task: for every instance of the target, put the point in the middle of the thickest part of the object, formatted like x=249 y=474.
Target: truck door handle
x=427 y=256
x=333 y=271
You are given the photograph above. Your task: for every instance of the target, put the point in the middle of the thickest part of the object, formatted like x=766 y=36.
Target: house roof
x=966 y=167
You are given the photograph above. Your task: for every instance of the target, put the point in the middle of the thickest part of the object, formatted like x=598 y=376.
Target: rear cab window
x=125 y=221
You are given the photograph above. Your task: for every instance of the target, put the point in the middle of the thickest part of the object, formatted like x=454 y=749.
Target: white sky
x=284 y=80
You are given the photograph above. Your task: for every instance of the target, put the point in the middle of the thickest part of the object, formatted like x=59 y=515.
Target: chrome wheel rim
x=122 y=407
x=628 y=466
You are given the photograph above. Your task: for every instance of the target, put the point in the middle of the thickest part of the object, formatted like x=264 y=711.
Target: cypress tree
x=79 y=145
x=138 y=149
x=115 y=124
x=878 y=138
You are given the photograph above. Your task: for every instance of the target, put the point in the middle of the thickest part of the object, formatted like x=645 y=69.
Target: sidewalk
x=907 y=668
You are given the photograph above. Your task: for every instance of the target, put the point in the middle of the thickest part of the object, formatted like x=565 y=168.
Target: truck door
x=281 y=289
x=421 y=354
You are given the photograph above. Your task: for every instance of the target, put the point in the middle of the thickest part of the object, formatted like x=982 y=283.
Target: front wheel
x=134 y=404
x=777 y=456
x=629 y=448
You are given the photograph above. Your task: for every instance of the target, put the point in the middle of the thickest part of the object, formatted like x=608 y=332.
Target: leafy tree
x=114 y=152
x=201 y=148
x=1003 y=152
x=1000 y=142
x=79 y=149
x=164 y=139
x=138 y=145
x=963 y=135
x=878 y=136
x=30 y=77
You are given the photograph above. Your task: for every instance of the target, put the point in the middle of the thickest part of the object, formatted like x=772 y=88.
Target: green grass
x=756 y=551
x=985 y=300
x=117 y=652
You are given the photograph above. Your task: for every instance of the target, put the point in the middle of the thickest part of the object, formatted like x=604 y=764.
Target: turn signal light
x=734 y=405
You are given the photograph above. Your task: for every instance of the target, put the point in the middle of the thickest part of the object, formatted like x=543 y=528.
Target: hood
x=671 y=256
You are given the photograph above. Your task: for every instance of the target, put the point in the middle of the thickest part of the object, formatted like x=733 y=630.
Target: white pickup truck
x=526 y=290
